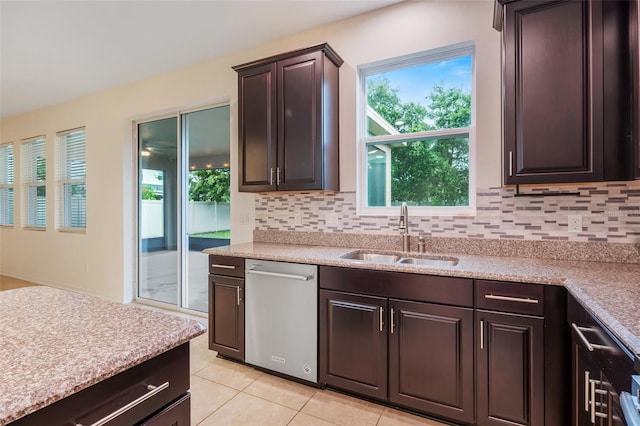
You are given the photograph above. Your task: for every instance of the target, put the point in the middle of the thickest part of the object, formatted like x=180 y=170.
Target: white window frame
x=63 y=180
x=7 y=181
x=27 y=163
x=365 y=70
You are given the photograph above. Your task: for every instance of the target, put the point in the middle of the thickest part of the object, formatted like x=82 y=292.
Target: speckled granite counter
x=56 y=343
x=611 y=291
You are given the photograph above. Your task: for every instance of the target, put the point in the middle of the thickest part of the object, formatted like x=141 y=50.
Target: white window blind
x=71 y=180
x=34 y=190
x=6 y=185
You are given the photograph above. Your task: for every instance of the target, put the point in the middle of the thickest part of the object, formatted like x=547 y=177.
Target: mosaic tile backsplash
x=610 y=212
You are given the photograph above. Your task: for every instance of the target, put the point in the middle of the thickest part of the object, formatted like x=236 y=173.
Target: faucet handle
x=422 y=245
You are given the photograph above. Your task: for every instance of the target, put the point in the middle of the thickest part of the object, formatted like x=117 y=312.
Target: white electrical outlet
x=575 y=223
x=297 y=219
x=244 y=218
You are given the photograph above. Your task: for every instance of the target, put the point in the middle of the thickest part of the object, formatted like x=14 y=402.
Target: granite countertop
x=610 y=291
x=56 y=343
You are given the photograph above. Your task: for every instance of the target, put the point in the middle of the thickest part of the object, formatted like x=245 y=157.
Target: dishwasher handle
x=279 y=275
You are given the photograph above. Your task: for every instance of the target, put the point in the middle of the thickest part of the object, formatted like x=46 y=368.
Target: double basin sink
x=434 y=261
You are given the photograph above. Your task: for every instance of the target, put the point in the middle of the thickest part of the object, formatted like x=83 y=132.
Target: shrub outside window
x=6 y=185
x=416 y=141
x=71 y=180
x=34 y=189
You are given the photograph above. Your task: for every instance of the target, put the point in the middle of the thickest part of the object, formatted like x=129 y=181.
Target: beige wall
x=102 y=261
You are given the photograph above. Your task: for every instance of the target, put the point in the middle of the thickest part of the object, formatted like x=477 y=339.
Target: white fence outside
x=203 y=216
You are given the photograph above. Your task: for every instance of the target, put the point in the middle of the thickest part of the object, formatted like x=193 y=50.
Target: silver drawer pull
x=511 y=299
x=153 y=390
x=280 y=275
x=215 y=265
x=590 y=346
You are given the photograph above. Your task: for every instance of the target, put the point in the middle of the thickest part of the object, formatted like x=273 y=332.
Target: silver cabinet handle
x=381 y=316
x=238 y=295
x=481 y=334
x=590 y=346
x=280 y=275
x=593 y=401
x=271 y=176
x=153 y=390
x=393 y=323
x=216 y=265
x=587 y=380
x=278 y=175
x=511 y=299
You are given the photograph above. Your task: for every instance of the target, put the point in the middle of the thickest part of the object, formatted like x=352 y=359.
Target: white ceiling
x=52 y=51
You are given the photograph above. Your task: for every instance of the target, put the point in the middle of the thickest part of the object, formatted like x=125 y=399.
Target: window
x=34 y=174
x=71 y=180
x=6 y=185
x=416 y=141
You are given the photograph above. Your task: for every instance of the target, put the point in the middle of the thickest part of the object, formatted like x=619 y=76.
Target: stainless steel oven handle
x=153 y=390
x=279 y=275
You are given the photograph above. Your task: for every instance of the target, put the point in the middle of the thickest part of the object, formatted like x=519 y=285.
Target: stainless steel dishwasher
x=281 y=317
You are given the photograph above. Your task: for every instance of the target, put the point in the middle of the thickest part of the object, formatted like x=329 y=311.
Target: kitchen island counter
x=56 y=343
x=610 y=291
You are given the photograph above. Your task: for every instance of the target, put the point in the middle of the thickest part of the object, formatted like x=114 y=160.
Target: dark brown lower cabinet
x=430 y=352
x=226 y=317
x=510 y=369
x=353 y=336
x=154 y=393
x=431 y=358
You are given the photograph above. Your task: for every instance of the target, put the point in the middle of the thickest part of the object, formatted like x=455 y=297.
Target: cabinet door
x=226 y=316
x=353 y=343
x=300 y=122
x=553 y=95
x=257 y=132
x=431 y=359
x=510 y=369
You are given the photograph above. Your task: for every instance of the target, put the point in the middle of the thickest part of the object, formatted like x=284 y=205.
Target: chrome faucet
x=404 y=227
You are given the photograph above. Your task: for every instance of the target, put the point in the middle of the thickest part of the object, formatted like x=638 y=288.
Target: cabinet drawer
x=176 y=414
x=226 y=265
x=168 y=372
x=400 y=285
x=510 y=297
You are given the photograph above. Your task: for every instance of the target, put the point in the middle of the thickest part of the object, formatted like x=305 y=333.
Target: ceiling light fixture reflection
x=145 y=152
x=208 y=166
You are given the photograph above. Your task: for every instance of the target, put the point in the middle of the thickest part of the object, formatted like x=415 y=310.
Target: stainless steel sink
x=372 y=257
x=433 y=261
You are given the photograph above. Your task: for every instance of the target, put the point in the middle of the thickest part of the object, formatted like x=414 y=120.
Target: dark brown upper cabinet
x=288 y=121
x=567 y=96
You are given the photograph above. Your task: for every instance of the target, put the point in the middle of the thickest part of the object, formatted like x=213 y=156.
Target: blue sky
x=415 y=83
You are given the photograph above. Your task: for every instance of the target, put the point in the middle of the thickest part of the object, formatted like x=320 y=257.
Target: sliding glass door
x=184 y=195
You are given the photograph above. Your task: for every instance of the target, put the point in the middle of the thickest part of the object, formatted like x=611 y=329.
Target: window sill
x=34 y=228
x=73 y=230
x=417 y=211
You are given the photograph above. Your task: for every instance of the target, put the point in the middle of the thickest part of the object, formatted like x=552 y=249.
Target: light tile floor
x=224 y=392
